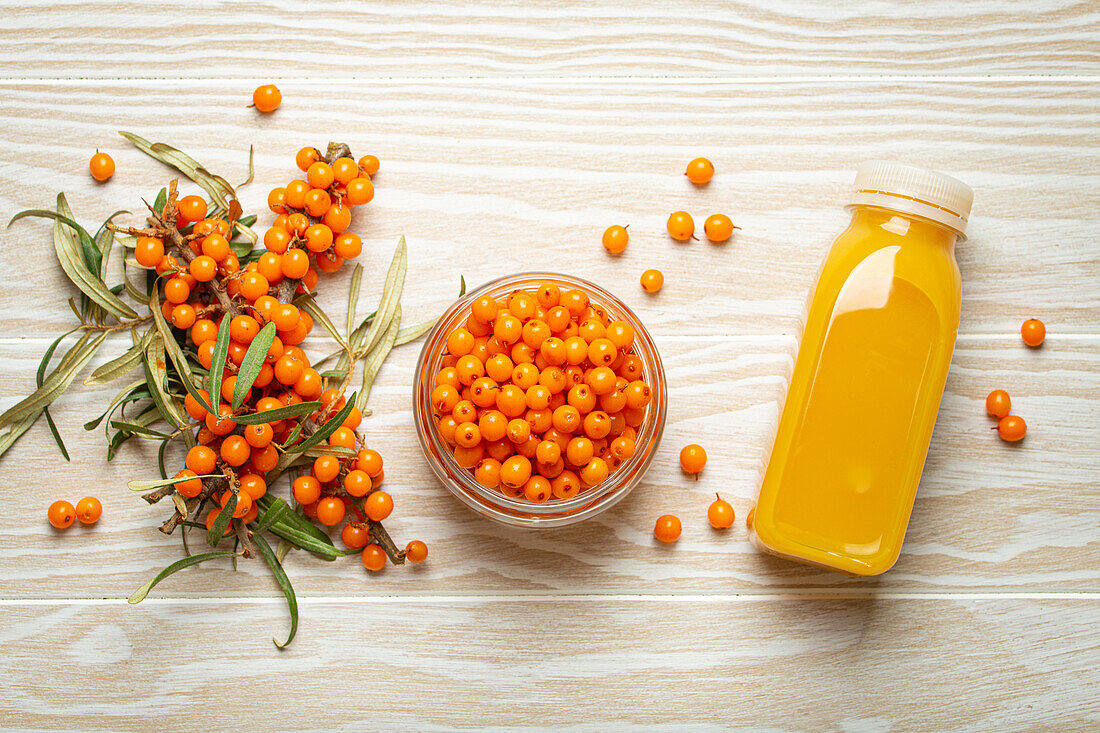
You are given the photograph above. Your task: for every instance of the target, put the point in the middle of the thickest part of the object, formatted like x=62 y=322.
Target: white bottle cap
x=913 y=190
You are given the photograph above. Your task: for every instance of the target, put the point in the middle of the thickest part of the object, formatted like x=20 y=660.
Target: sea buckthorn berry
x=188 y=489
x=575 y=301
x=540 y=421
x=306 y=157
x=1011 y=428
x=583 y=398
x=308 y=385
x=230 y=265
x=515 y=472
x=203 y=268
x=597 y=424
x=373 y=557
x=330 y=511
x=258 y=436
x=622 y=448
x=243 y=329
x=212 y=517
x=357 y=482
x=615 y=239
x=444 y=399
x=537 y=489
x=511 y=400
x=499 y=367
x=326 y=468
x=548 y=295
x=265 y=459
x=602 y=352
x=370 y=461
x=235 y=450
x=535 y=332
x=102 y=167
x=681 y=226
x=176 y=291
x=277 y=240
x=378 y=506
x=460 y=342
x=487 y=473
x=344 y=170
x=483 y=392
x=548 y=452
x=507 y=328
x=285 y=316
x=222 y=424
x=554 y=379
x=307 y=489
x=1033 y=332
x=493 y=425
x=538 y=397
x=416 y=551
x=522 y=305
x=484 y=309
x=276 y=200
x=295 y=264
x=468 y=369
x=183 y=316
x=295 y=198
x=652 y=281
x=699 y=171
x=253 y=485
x=998 y=403
x=464 y=411
x=318 y=237
x=566 y=419
x=193 y=407
x=337 y=218
x=521 y=353
x=667 y=528
x=579 y=451
x=467 y=435
x=559 y=319
x=693 y=458
x=288 y=370
x=565 y=485
x=720 y=513
x=354 y=536
x=89 y=510
x=270 y=265
x=553 y=350
x=202 y=460
x=718 y=227
x=342 y=437
x=348 y=245
x=317 y=201
x=620 y=333
x=191 y=208
x=217 y=246
x=638 y=394
x=253 y=285
x=149 y=251
x=594 y=472
x=267 y=98
x=369 y=164
x=359 y=191
x=61 y=514
x=518 y=430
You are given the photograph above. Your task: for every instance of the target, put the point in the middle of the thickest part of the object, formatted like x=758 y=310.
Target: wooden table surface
x=510 y=136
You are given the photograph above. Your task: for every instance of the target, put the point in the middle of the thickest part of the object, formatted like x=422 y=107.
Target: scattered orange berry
x=89 y=510
x=615 y=239
x=667 y=528
x=61 y=514
x=416 y=551
x=373 y=557
x=267 y=98
x=681 y=226
x=718 y=227
x=1011 y=428
x=693 y=458
x=369 y=164
x=102 y=166
x=699 y=171
x=998 y=404
x=1033 y=332
x=652 y=281
x=720 y=513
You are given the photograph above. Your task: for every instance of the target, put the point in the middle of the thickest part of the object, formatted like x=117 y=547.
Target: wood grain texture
x=277 y=39
x=573 y=664
x=511 y=135
x=487 y=179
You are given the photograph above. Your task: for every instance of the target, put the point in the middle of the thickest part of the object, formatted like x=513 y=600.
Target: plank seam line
x=588 y=598
x=564 y=79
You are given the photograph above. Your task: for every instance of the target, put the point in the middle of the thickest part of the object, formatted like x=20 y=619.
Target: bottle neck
x=904 y=224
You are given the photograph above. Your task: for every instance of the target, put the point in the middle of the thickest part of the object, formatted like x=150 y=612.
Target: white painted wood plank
x=988 y=515
x=487 y=179
x=579 y=664
x=459 y=39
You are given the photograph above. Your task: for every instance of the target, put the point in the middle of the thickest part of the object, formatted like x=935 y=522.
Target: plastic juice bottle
x=867 y=383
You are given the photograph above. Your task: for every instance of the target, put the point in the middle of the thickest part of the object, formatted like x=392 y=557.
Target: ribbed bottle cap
x=914 y=190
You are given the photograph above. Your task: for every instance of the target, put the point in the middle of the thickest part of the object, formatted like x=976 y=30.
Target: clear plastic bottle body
x=854 y=430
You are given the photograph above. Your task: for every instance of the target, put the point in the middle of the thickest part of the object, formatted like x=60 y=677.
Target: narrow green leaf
x=284 y=585
x=19 y=417
x=181 y=505
x=279 y=413
x=309 y=305
x=353 y=298
x=325 y=430
x=72 y=262
x=376 y=358
x=175 y=353
x=329 y=450
x=286 y=517
x=129 y=393
x=217 y=187
x=104 y=242
x=391 y=296
x=56 y=434
x=252 y=363
x=217 y=366
x=217 y=531
x=251 y=169
x=156 y=375
x=412 y=333
x=282 y=549
x=138 y=429
x=140 y=594
x=160 y=201
x=160 y=458
x=150 y=484
x=116 y=367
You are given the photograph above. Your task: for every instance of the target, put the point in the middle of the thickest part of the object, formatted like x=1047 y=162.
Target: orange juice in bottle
x=870 y=372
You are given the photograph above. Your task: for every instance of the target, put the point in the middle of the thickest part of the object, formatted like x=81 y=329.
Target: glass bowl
x=555 y=512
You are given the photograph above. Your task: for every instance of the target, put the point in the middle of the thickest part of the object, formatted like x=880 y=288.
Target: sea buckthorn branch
x=230 y=323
